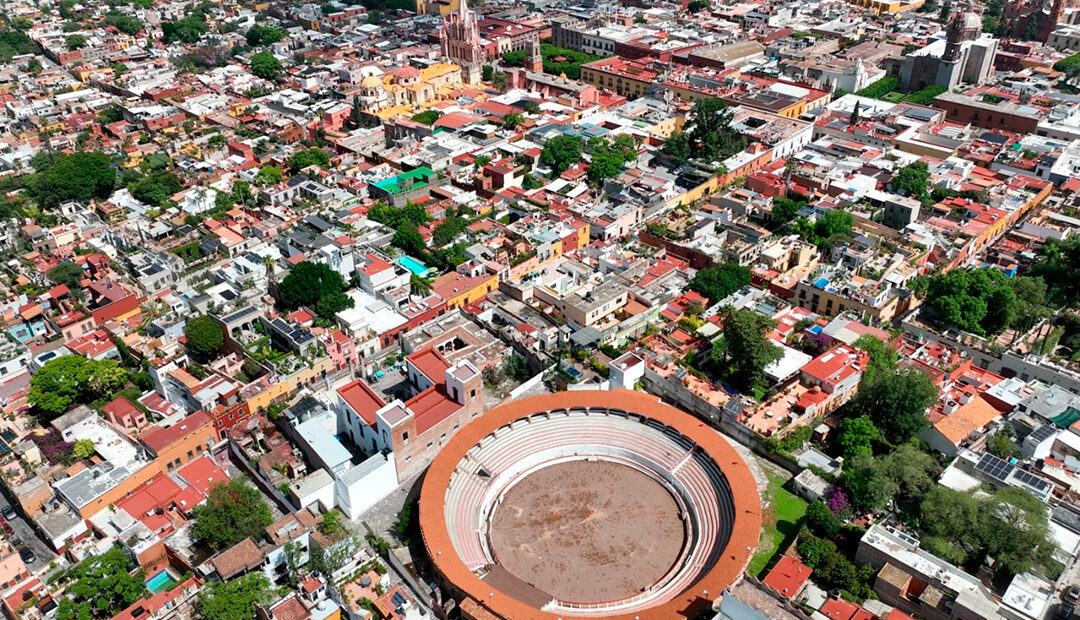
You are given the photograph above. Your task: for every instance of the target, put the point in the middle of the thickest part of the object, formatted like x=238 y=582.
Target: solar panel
x=1030 y=480
x=994 y=467
x=1042 y=433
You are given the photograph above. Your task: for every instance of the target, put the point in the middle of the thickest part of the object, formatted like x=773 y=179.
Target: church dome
x=406 y=72
x=371 y=81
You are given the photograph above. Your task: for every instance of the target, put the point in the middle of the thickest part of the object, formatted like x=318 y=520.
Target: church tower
x=534 y=61
x=460 y=40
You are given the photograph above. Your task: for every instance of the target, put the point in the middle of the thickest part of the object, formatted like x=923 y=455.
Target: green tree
x=70 y=274
x=561 y=152
x=310 y=157
x=608 y=157
x=696 y=6
x=857 y=437
x=83 y=449
x=187 y=30
x=883 y=357
x=409 y=240
x=745 y=348
x=307 y=283
x=264 y=35
x=103 y=587
x=718 y=282
x=868 y=483
x=531 y=107
x=235 y=599
x=677 y=148
x=952 y=516
x=913 y=180
x=981 y=301
x=77 y=176
x=265 y=65
x=72 y=379
x=33 y=66
x=126 y=24
x=331 y=523
x=513 y=120
x=235 y=510
x=156 y=187
x=75 y=42
x=896 y=403
x=204 y=337
x=427 y=117
x=266 y=176
x=821 y=519
x=1014 y=528
x=1002 y=446
x=500 y=80
x=331 y=304
x=1059 y=267
x=710 y=135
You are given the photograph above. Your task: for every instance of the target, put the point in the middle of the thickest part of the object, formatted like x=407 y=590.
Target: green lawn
x=780 y=525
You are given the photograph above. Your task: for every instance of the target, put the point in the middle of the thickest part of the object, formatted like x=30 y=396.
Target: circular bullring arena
x=588 y=504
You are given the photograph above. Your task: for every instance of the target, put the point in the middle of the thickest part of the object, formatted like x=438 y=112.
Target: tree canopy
x=981 y=301
x=156 y=187
x=710 y=134
x=744 y=350
x=265 y=65
x=1009 y=525
x=720 y=281
x=103 y=587
x=310 y=157
x=561 y=152
x=608 y=157
x=204 y=337
x=883 y=357
x=308 y=283
x=235 y=599
x=72 y=379
x=264 y=35
x=68 y=273
x=913 y=180
x=235 y=510
x=60 y=177
x=1059 y=267
x=896 y=402
x=904 y=475
x=187 y=30
x=427 y=117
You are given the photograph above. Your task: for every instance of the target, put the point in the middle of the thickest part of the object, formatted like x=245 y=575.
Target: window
x=405 y=438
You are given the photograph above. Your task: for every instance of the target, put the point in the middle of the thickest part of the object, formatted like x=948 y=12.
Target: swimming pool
x=161 y=581
x=414 y=265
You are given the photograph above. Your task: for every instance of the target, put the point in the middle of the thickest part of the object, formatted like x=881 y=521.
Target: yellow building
x=436 y=7
x=888 y=6
x=407 y=88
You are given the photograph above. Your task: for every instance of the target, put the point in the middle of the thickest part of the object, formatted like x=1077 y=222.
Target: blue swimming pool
x=414 y=265
x=161 y=581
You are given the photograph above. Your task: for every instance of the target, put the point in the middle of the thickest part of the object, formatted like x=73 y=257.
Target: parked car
x=17 y=542
x=8 y=512
x=27 y=555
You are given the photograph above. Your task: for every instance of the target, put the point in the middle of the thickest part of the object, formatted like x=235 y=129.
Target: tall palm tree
x=269 y=263
x=150 y=310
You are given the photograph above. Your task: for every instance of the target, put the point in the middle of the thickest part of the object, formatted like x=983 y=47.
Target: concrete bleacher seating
x=697 y=482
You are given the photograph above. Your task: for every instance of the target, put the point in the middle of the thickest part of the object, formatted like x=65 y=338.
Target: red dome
x=406 y=71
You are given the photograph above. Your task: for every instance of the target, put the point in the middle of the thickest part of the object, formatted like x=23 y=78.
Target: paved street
x=24 y=531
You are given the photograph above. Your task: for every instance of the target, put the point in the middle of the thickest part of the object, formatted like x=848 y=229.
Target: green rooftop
x=406 y=181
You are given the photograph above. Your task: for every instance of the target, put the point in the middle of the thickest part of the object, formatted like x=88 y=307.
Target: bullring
x=588 y=504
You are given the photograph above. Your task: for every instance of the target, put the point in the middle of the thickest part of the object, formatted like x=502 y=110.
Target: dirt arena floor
x=587 y=531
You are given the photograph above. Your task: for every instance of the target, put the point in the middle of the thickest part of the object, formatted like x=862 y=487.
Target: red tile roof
x=430 y=407
x=788 y=576
x=160 y=438
x=431 y=363
x=362 y=399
